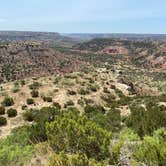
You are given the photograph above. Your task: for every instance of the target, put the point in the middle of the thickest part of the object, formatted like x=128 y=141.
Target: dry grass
x=58 y=92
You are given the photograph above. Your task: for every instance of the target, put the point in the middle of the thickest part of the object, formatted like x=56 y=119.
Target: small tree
x=35 y=94
x=47 y=99
x=73 y=133
x=7 y=102
x=3 y=121
x=30 y=101
x=12 y=112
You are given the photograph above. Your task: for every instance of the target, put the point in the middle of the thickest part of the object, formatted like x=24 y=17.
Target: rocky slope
x=21 y=60
x=142 y=53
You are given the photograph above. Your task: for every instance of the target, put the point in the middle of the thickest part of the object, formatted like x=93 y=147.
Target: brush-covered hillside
x=98 y=103
x=27 y=59
x=143 y=53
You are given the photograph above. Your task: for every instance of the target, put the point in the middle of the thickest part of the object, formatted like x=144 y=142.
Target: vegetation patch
x=12 y=112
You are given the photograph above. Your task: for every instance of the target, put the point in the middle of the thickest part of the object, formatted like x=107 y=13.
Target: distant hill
x=143 y=53
x=49 y=38
x=26 y=59
x=90 y=36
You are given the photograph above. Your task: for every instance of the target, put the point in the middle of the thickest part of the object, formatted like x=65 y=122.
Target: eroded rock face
x=131 y=87
x=115 y=50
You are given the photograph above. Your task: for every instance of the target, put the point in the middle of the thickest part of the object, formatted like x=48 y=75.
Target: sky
x=84 y=16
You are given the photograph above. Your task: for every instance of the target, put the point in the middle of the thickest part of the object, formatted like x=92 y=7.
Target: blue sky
x=83 y=16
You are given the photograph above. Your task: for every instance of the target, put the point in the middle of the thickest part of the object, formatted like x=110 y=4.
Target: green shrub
x=15 y=89
x=151 y=152
x=46 y=114
x=83 y=91
x=57 y=105
x=24 y=107
x=72 y=160
x=22 y=82
x=105 y=90
x=128 y=134
x=119 y=93
x=91 y=110
x=160 y=135
x=47 y=99
x=115 y=153
x=110 y=99
x=110 y=121
x=7 y=102
x=146 y=122
x=71 y=92
x=41 y=116
x=34 y=86
x=12 y=112
x=88 y=101
x=114 y=119
x=30 y=101
x=16 y=148
x=56 y=90
x=34 y=93
x=80 y=102
x=38 y=131
x=3 y=121
x=162 y=108
x=29 y=115
x=73 y=133
x=93 y=87
x=2 y=110
x=57 y=79
x=162 y=98
x=68 y=103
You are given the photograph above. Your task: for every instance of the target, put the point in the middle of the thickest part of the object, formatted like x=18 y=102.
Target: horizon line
x=132 y=33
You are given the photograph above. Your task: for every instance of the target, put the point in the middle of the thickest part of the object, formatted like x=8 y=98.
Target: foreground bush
x=72 y=160
x=7 y=102
x=152 y=150
x=91 y=110
x=40 y=117
x=3 y=121
x=12 y=112
x=30 y=115
x=110 y=120
x=57 y=105
x=74 y=133
x=16 y=149
x=145 y=122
